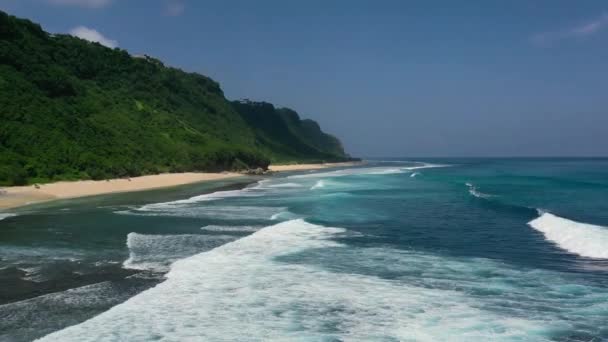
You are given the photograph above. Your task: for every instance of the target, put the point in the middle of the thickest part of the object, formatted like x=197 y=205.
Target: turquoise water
x=449 y=249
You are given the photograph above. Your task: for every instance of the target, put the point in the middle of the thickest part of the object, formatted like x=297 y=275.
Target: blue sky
x=390 y=78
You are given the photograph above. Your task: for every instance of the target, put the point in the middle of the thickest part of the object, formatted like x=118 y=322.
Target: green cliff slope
x=71 y=109
x=281 y=133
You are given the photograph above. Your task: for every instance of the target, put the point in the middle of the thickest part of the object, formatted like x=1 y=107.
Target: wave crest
x=6 y=215
x=584 y=239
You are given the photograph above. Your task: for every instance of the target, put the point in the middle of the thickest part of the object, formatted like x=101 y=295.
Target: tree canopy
x=72 y=109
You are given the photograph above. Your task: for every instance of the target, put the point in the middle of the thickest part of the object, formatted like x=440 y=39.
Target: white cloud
x=175 y=8
x=82 y=3
x=586 y=29
x=92 y=36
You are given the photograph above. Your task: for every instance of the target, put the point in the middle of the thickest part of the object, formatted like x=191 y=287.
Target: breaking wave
x=242 y=291
x=6 y=215
x=214 y=196
x=158 y=252
x=231 y=229
x=584 y=239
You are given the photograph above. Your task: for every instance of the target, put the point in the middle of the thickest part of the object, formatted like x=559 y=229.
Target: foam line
x=474 y=192
x=424 y=166
x=230 y=229
x=214 y=196
x=286 y=185
x=380 y=170
x=211 y=212
x=351 y=172
x=6 y=215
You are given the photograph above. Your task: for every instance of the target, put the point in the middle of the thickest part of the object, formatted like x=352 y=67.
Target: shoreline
x=18 y=196
x=304 y=167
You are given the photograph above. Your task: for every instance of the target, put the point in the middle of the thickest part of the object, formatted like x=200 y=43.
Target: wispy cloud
x=174 y=8
x=93 y=36
x=584 y=30
x=82 y=3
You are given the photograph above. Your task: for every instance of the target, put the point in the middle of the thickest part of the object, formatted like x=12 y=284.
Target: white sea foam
x=241 y=291
x=283 y=215
x=269 y=186
x=474 y=192
x=385 y=172
x=33 y=273
x=28 y=255
x=261 y=184
x=210 y=212
x=584 y=239
x=350 y=172
x=231 y=229
x=28 y=319
x=214 y=196
x=6 y=215
x=157 y=252
x=414 y=174
x=380 y=170
x=424 y=166
x=477 y=194
x=329 y=185
x=318 y=185
x=191 y=207
x=102 y=263
x=285 y=185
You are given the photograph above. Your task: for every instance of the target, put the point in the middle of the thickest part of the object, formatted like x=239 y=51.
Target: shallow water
x=63 y=262
x=480 y=249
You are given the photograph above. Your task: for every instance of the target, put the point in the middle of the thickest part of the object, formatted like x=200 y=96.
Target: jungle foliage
x=72 y=109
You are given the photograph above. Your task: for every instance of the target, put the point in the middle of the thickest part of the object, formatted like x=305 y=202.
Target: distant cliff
x=71 y=109
x=281 y=133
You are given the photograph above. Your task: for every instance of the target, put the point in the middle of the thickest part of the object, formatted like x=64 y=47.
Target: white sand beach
x=11 y=197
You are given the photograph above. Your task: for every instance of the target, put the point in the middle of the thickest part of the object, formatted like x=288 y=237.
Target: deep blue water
x=445 y=249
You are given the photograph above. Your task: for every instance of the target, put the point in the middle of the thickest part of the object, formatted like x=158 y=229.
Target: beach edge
x=19 y=196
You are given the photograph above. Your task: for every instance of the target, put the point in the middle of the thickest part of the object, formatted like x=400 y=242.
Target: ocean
x=392 y=250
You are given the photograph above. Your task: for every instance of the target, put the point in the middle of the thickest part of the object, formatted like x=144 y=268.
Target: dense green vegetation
x=71 y=109
x=282 y=134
